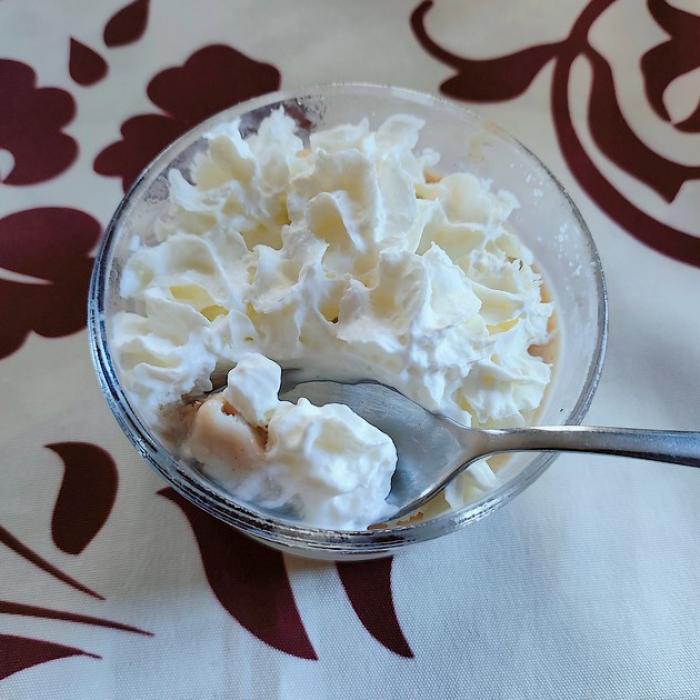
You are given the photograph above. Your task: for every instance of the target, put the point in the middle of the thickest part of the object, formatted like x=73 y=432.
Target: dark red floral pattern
x=85 y=65
x=675 y=57
x=9 y=608
x=18 y=653
x=249 y=580
x=86 y=496
x=80 y=460
x=52 y=246
x=213 y=78
x=31 y=125
x=46 y=255
x=507 y=76
x=17 y=546
x=368 y=585
x=127 y=25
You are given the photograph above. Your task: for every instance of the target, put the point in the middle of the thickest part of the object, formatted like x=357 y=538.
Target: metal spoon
x=433 y=450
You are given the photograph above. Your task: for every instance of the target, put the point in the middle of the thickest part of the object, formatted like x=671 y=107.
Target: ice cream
x=341 y=253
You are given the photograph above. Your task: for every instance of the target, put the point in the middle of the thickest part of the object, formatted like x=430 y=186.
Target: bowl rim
x=215 y=500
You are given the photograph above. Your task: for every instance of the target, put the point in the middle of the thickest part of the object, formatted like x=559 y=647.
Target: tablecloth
x=586 y=586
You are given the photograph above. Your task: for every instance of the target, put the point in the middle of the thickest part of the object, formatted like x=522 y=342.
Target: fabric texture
x=586 y=586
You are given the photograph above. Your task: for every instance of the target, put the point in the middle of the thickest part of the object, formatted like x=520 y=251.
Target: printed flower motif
x=368 y=585
x=86 y=497
x=250 y=581
x=83 y=504
x=44 y=273
x=48 y=247
x=85 y=466
x=212 y=79
x=8 y=608
x=675 y=57
x=505 y=77
x=18 y=653
x=31 y=123
x=127 y=25
x=85 y=65
x=17 y=546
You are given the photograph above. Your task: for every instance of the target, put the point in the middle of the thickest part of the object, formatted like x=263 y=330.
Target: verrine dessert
x=353 y=253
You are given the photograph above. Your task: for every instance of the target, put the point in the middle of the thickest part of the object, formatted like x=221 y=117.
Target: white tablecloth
x=586 y=586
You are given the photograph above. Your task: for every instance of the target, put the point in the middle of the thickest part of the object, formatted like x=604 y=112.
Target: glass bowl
x=547 y=220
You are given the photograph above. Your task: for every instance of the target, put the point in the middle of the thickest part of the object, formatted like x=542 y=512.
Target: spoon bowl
x=432 y=449
x=428 y=446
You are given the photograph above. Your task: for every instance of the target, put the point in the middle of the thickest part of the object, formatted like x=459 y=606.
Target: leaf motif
x=368 y=586
x=86 y=496
x=488 y=80
x=127 y=25
x=616 y=139
x=18 y=653
x=52 y=245
x=85 y=65
x=663 y=63
x=9 y=608
x=211 y=79
x=143 y=136
x=249 y=580
x=690 y=123
x=31 y=125
x=10 y=541
x=657 y=235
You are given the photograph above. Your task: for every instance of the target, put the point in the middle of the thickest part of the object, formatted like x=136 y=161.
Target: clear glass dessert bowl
x=547 y=221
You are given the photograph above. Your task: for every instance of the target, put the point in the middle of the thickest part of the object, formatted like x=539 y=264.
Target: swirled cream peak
x=344 y=252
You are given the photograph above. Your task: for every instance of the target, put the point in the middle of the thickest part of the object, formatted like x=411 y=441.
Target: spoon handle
x=678 y=447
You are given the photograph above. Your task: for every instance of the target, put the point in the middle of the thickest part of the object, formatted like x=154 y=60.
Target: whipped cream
x=346 y=254
x=326 y=463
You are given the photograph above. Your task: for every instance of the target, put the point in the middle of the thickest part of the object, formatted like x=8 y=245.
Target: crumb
x=432 y=176
x=227 y=408
x=178 y=419
x=416 y=517
x=261 y=434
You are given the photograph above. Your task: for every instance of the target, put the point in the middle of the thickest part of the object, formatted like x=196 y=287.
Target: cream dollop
x=326 y=462
x=345 y=253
